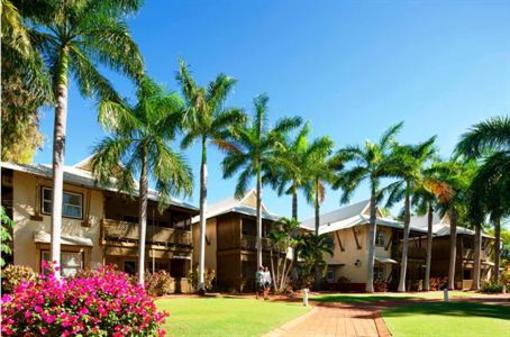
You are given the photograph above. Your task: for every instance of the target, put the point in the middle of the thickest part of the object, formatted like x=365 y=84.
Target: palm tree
x=139 y=145
x=321 y=167
x=370 y=162
x=206 y=119
x=284 y=235
x=407 y=165
x=311 y=250
x=73 y=37
x=451 y=187
x=251 y=150
x=489 y=141
x=425 y=202
x=289 y=175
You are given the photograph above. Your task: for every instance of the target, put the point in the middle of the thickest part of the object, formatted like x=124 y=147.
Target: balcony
x=412 y=253
x=469 y=254
x=123 y=232
x=249 y=242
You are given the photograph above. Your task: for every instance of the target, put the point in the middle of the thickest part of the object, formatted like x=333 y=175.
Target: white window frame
x=49 y=201
x=46 y=256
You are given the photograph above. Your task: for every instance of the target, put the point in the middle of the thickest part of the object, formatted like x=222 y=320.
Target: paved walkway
x=333 y=321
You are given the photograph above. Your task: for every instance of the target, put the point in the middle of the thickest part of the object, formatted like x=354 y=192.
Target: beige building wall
x=29 y=219
x=211 y=244
x=351 y=254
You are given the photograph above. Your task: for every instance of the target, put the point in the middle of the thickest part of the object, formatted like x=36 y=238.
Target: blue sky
x=352 y=68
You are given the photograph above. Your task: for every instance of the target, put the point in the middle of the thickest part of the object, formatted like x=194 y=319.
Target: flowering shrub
x=13 y=275
x=103 y=303
x=159 y=283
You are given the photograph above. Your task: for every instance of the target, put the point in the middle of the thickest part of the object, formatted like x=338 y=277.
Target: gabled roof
x=441 y=225
x=78 y=176
x=245 y=206
x=350 y=216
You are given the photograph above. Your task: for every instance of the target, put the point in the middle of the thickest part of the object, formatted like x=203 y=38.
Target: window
x=71 y=203
x=468 y=274
x=330 y=275
x=70 y=262
x=379 y=239
x=130 y=267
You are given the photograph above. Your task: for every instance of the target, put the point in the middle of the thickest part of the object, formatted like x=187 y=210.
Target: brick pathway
x=332 y=321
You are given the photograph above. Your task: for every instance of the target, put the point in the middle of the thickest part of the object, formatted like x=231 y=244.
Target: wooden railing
x=250 y=242
x=123 y=231
x=413 y=253
x=469 y=254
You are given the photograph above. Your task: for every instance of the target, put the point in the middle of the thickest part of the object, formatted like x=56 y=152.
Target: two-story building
x=231 y=241
x=99 y=225
x=465 y=250
x=348 y=227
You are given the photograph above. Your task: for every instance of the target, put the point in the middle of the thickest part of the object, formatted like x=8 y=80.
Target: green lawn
x=378 y=297
x=452 y=319
x=222 y=317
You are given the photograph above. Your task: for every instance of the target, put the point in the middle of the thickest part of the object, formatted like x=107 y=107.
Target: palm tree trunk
x=371 y=244
x=429 y=247
x=294 y=205
x=405 y=244
x=453 y=248
x=203 y=220
x=259 y=218
x=317 y=208
x=477 y=262
x=497 y=259
x=59 y=135
x=142 y=219
x=272 y=267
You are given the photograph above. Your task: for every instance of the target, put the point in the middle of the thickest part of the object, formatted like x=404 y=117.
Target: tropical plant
x=311 y=251
x=451 y=187
x=407 y=165
x=138 y=144
x=5 y=235
x=251 y=150
x=424 y=202
x=100 y=303
x=25 y=88
x=289 y=175
x=370 y=162
x=13 y=275
x=207 y=119
x=73 y=37
x=489 y=142
x=320 y=171
x=284 y=235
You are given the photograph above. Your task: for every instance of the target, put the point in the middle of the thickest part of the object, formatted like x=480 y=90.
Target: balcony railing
x=123 y=231
x=412 y=253
x=249 y=242
x=469 y=254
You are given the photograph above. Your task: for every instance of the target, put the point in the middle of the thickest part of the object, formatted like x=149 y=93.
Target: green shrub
x=209 y=277
x=492 y=288
x=159 y=283
x=12 y=275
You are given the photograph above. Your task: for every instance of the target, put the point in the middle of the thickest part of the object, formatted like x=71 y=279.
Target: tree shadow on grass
x=455 y=309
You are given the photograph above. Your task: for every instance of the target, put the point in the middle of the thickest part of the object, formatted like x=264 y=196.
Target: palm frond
x=490 y=135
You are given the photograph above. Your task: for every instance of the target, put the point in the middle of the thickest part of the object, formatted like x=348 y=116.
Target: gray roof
x=233 y=205
x=441 y=225
x=350 y=216
x=76 y=176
